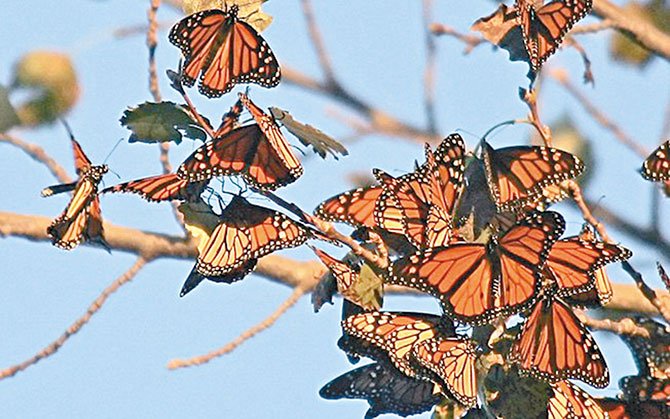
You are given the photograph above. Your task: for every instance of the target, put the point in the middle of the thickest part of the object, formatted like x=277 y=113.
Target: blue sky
x=115 y=367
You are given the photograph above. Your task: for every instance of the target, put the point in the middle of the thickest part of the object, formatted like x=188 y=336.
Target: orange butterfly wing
x=543 y=29
x=554 y=345
x=345 y=275
x=570 y=401
x=518 y=175
x=475 y=282
x=245 y=233
x=160 y=188
x=355 y=207
x=223 y=51
x=577 y=263
x=395 y=334
x=230 y=119
x=452 y=361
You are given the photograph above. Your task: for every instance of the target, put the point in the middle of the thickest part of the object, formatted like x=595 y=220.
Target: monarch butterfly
x=170 y=186
x=386 y=389
x=554 y=345
x=245 y=233
x=571 y=402
x=224 y=51
x=651 y=355
x=426 y=197
x=518 y=175
x=643 y=388
x=345 y=275
x=657 y=166
x=451 y=362
x=412 y=342
x=258 y=152
x=619 y=409
x=479 y=282
x=82 y=219
x=577 y=264
x=544 y=27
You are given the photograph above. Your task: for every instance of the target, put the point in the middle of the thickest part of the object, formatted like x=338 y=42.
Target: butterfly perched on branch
x=221 y=50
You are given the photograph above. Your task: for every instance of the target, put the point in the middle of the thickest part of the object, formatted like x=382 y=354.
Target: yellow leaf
x=250 y=10
x=199 y=220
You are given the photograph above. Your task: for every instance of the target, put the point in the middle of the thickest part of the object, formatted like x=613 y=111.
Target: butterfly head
x=95 y=173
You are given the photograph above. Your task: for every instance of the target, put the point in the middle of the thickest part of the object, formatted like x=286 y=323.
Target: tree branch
x=38 y=154
x=640 y=29
x=298 y=292
x=276 y=268
x=75 y=327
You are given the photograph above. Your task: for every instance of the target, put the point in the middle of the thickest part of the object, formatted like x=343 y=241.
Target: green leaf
x=160 y=122
x=369 y=289
x=8 y=116
x=309 y=135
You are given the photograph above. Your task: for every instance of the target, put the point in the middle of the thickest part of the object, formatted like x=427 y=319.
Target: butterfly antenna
x=112 y=150
x=67 y=128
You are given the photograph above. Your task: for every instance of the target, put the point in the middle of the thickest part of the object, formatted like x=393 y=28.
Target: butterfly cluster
x=515 y=263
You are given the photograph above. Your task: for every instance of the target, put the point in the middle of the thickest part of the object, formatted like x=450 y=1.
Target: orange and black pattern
x=544 y=27
x=82 y=219
x=221 y=51
x=258 y=152
x=479 y=282
x=518 y=175
x=245 y=233
x=554 y=346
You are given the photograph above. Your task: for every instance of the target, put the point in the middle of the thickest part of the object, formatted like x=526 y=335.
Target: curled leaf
x=160 y=122
x=52 y=78
x=309 y=135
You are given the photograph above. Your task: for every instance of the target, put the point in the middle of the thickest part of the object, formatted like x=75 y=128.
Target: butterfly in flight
x=544 y=26
x=245 y=233
x=478 y=282
x=82 y=218
x=386 y=389
x=257 y=152
x=554 y=345
x=517 y=176
x=221 y=50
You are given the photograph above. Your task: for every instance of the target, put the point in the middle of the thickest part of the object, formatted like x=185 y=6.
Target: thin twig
x=561 y=77
x=38 y=154
x=590 y=28
x=75 y=327
x=317 y=42
x=620 y=327
x=529 y=97
x=430 y=69
x=201 y=121
x=661 y=304
x=298 y=292
x=470 y=41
